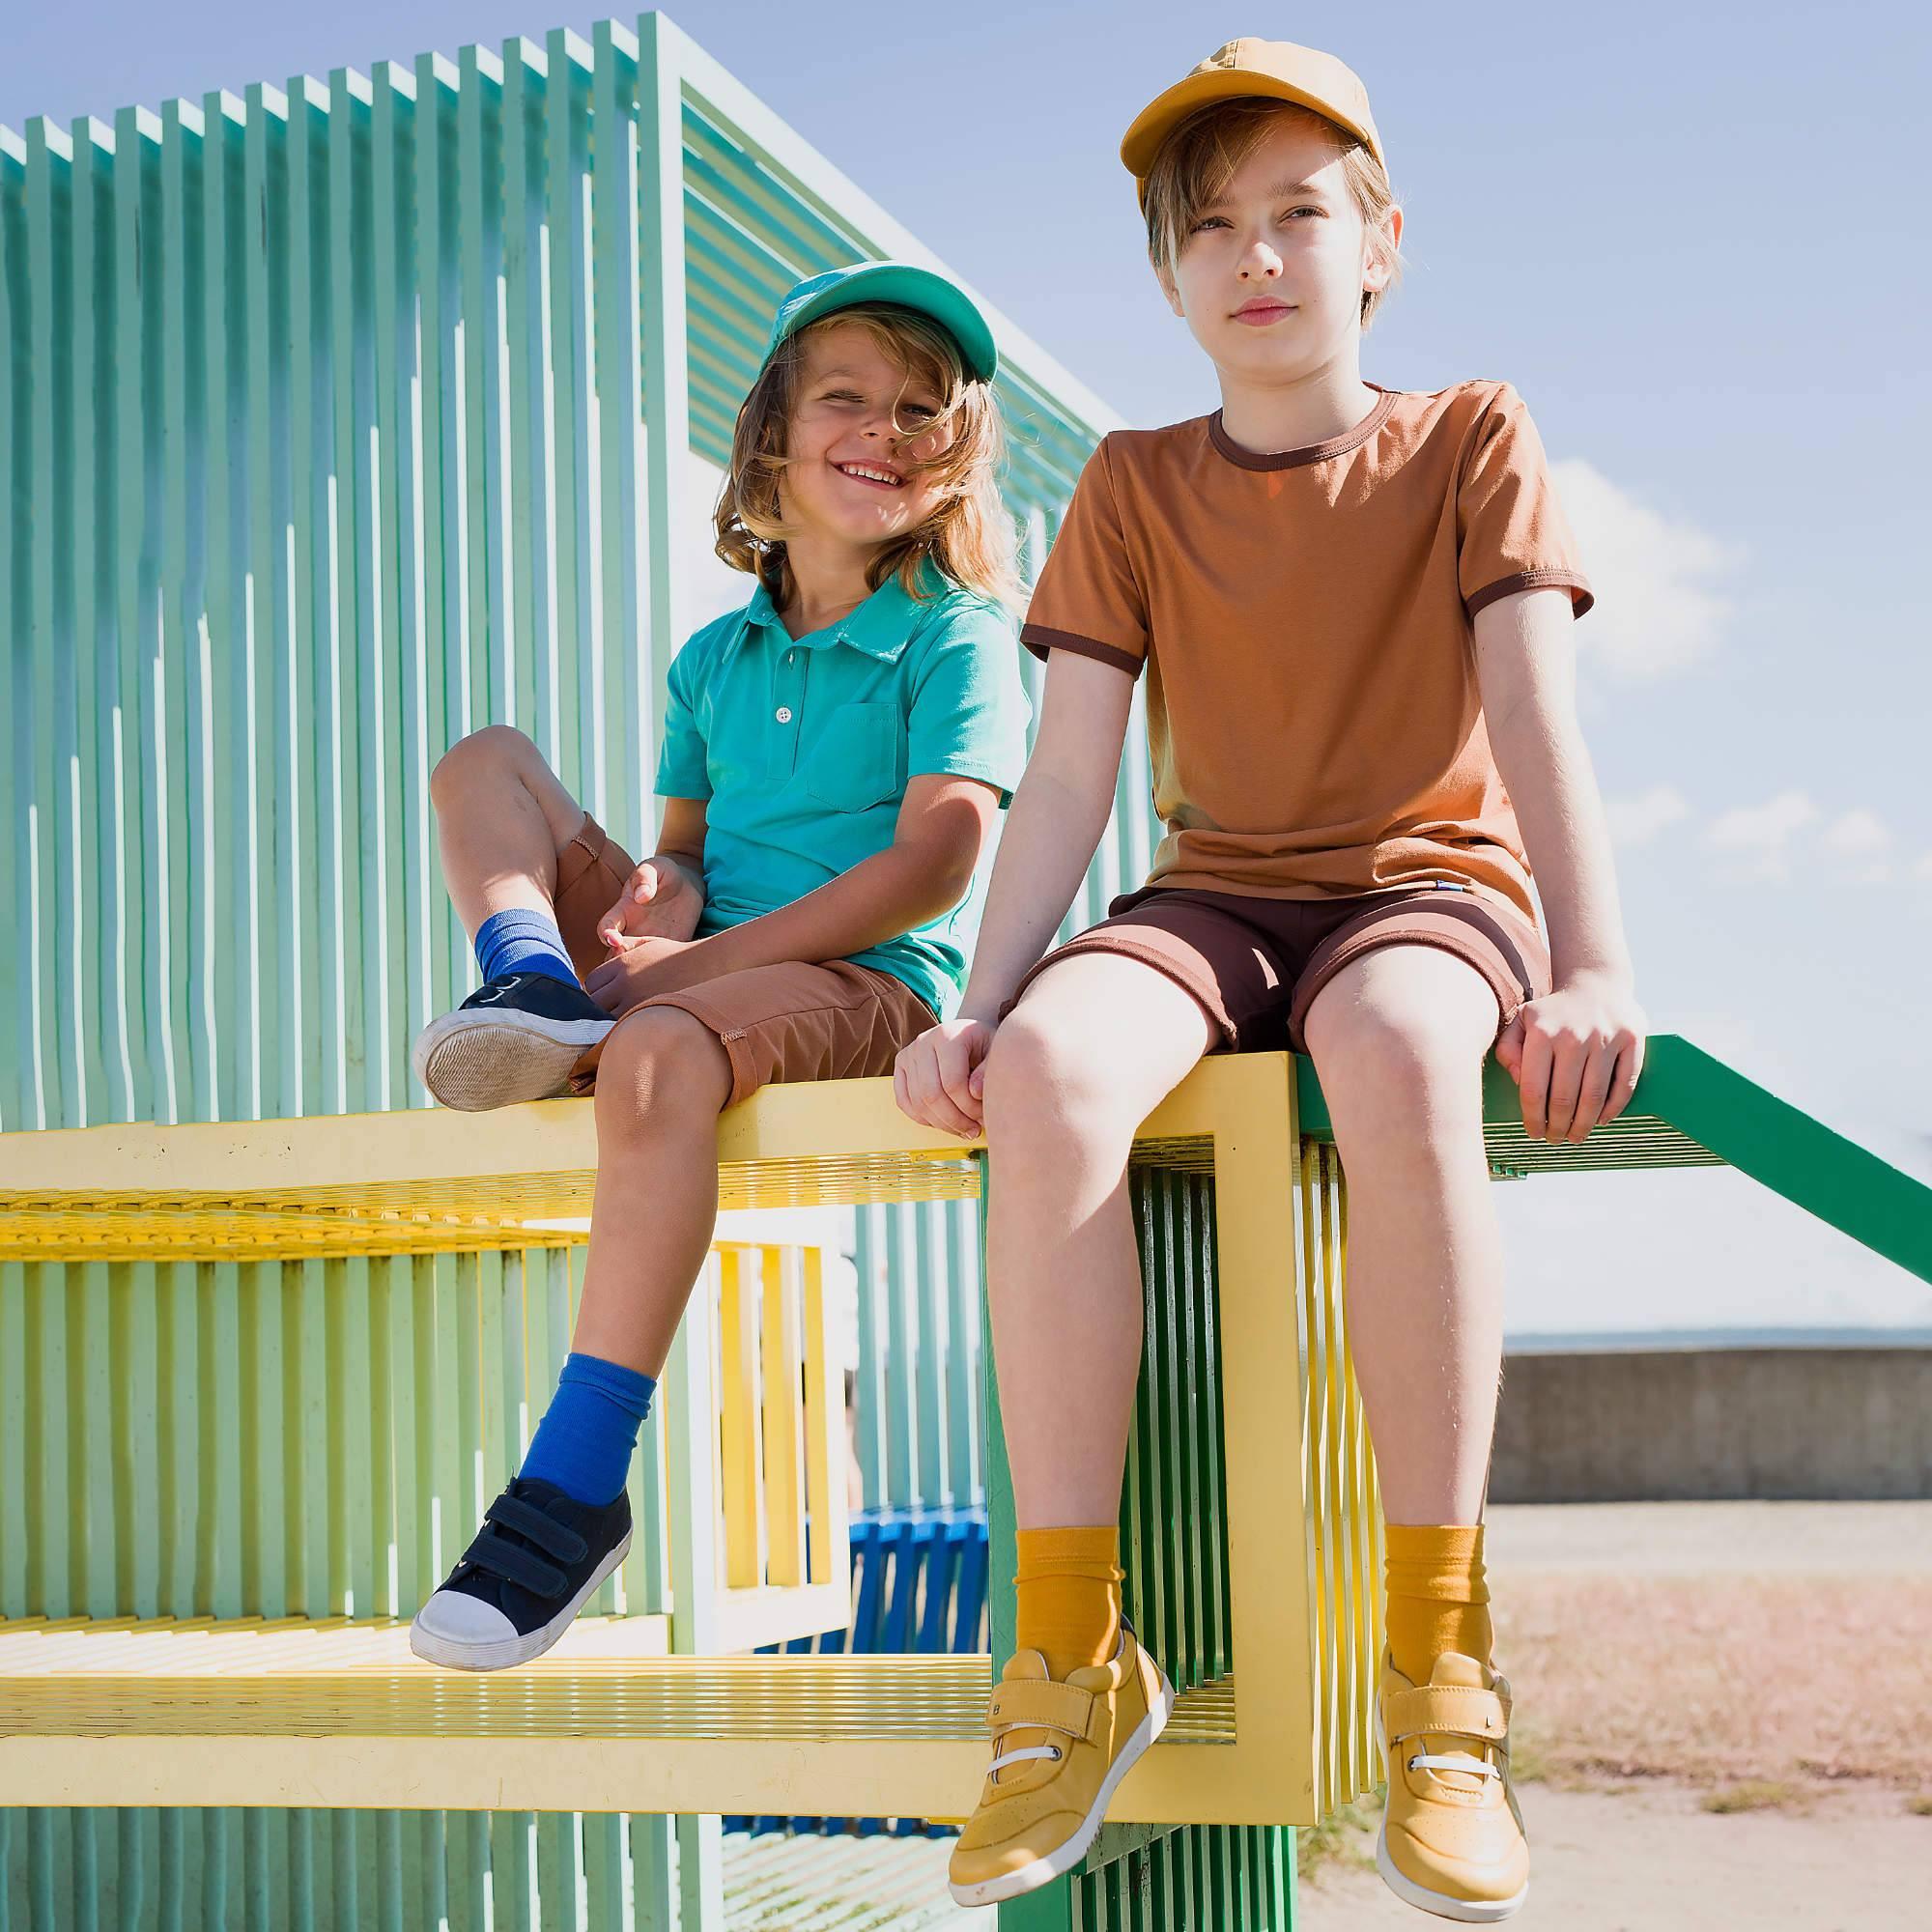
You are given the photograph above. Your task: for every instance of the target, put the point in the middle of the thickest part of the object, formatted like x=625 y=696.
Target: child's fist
x=1575 y=1055
x=940 y=1080
x=657 y=902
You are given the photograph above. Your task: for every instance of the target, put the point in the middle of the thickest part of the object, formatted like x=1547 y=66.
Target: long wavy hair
x=968 y=537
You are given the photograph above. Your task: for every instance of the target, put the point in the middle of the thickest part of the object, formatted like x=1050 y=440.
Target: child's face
x=1270 y=280
x=850 y=476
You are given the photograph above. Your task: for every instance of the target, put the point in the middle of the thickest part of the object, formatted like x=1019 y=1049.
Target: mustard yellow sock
x=1438 y=1596
x=1068 y=1582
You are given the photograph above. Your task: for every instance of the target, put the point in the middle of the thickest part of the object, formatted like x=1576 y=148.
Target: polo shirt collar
x=880 y=627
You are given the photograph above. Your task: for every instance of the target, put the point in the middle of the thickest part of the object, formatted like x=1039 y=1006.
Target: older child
x=834 y=756
x=1353 y=608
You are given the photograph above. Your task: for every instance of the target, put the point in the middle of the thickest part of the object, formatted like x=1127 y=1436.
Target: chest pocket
x=856 y=762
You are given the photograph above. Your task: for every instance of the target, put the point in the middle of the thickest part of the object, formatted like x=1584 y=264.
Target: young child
x=834 y=757
x=1353 y=607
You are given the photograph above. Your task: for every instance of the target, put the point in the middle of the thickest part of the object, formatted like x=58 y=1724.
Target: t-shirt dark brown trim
x=1314 y=452
x=1580 y=600
x=1040 y=640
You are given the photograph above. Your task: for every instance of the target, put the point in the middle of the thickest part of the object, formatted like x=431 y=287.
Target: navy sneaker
x=535 y=1563
x=514 y=1039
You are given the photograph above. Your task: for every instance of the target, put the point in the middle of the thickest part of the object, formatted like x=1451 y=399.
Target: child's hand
x=940 y=1078
x=1574 y=1054
x=657 y=902
x=638 y=969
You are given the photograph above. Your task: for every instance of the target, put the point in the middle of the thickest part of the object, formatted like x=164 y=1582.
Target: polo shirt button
x=784 y=714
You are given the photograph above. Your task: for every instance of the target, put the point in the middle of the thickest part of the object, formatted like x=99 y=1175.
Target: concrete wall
x=1605 y=1426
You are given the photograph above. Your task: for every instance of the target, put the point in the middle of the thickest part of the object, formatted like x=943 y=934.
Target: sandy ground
x=1649 y=1858
x=1724 y=1711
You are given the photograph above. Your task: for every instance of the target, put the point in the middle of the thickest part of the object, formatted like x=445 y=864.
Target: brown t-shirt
x=1306 y=623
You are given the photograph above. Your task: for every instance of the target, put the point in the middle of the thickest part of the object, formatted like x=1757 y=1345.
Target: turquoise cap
x=908 y=285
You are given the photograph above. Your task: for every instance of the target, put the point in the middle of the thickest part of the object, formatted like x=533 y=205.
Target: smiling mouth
x=872 y=474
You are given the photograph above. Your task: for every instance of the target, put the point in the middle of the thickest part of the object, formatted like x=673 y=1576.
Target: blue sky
x=1693 y=239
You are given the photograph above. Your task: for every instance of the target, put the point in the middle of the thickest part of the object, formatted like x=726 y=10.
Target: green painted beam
x=1691 y=1110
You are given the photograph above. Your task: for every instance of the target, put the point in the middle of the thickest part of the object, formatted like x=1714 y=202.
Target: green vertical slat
x=521 y=696
x=48 y=926
x=667 y=373
x=965 y=1477
x=183 y=989
x=624 y=640
x=46 y=1463
x=390 y=830
x=935 y=1290
x=902 y=1394
x=274 y=913
x=479 y=417
x=17 y=1518
x=393 y=1495
x=15 y=363
x=344 y=619
x=436 y=228
x=217 y=1398
x=569 y=564
x=93 y=1383
x=224 y=857
x=263 y=1513
x=90 y=871
x=314 y=1477
x=314 y=935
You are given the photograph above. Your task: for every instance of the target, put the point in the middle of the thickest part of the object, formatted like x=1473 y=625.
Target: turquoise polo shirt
x=802 y=748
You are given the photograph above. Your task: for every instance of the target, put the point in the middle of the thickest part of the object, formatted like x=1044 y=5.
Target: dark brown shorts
x=793 y=1020
x=1257 y=964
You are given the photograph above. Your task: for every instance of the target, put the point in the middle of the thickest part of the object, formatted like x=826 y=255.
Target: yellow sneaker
x=1452 y=1838
x=1059 y=1750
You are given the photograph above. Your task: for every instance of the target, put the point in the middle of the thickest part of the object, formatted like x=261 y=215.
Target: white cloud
x=1662 y=604
x=1757 y=837
x=1861 y=841
x=1923 y=868
x=1637 y=820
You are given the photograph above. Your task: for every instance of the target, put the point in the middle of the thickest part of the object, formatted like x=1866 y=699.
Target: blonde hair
x=1203 y=154
x=968 y=536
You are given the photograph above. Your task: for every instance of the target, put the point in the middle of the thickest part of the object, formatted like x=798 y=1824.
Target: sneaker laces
x=1019 y=1756
x=1434 y=1762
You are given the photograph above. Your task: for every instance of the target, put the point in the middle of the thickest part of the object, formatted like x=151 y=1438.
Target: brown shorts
x=789 y=1022
x=1257 y=964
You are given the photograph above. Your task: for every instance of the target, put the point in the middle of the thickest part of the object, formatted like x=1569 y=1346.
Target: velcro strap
x=493 y=1553
x=1454 y=1710
x=553 y=1538
x=1037 y=1705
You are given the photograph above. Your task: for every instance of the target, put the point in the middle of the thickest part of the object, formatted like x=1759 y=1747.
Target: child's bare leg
x=1063 y=1101
x=661 y=1085
x=1399 y=1038
x=501 y=817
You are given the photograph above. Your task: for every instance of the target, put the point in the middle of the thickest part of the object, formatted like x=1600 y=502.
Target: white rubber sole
x=476 y=1059
x=503 y=1651
x=1469 y=1911
x=1056 y=1864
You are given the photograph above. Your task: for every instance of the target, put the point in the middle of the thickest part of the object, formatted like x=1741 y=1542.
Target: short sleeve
x=1511 y=531
x=682 y=771
x=968 y=712
x=1085 y=600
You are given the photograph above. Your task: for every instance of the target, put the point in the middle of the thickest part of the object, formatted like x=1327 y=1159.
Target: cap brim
x=915 y=287
x=1155 y=121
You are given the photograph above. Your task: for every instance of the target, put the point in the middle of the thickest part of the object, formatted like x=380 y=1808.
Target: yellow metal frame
x=790 y=1735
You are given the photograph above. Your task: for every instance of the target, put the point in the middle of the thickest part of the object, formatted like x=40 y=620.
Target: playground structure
x=1240 y=1510
x=336 y=421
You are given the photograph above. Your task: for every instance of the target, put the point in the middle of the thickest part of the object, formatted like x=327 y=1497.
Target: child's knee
x=496 y=748
x=1038 y=1072
x=659 y=1064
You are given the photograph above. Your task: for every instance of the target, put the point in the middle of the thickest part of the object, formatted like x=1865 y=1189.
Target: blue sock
x=584 y=1440
x=522 y=941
